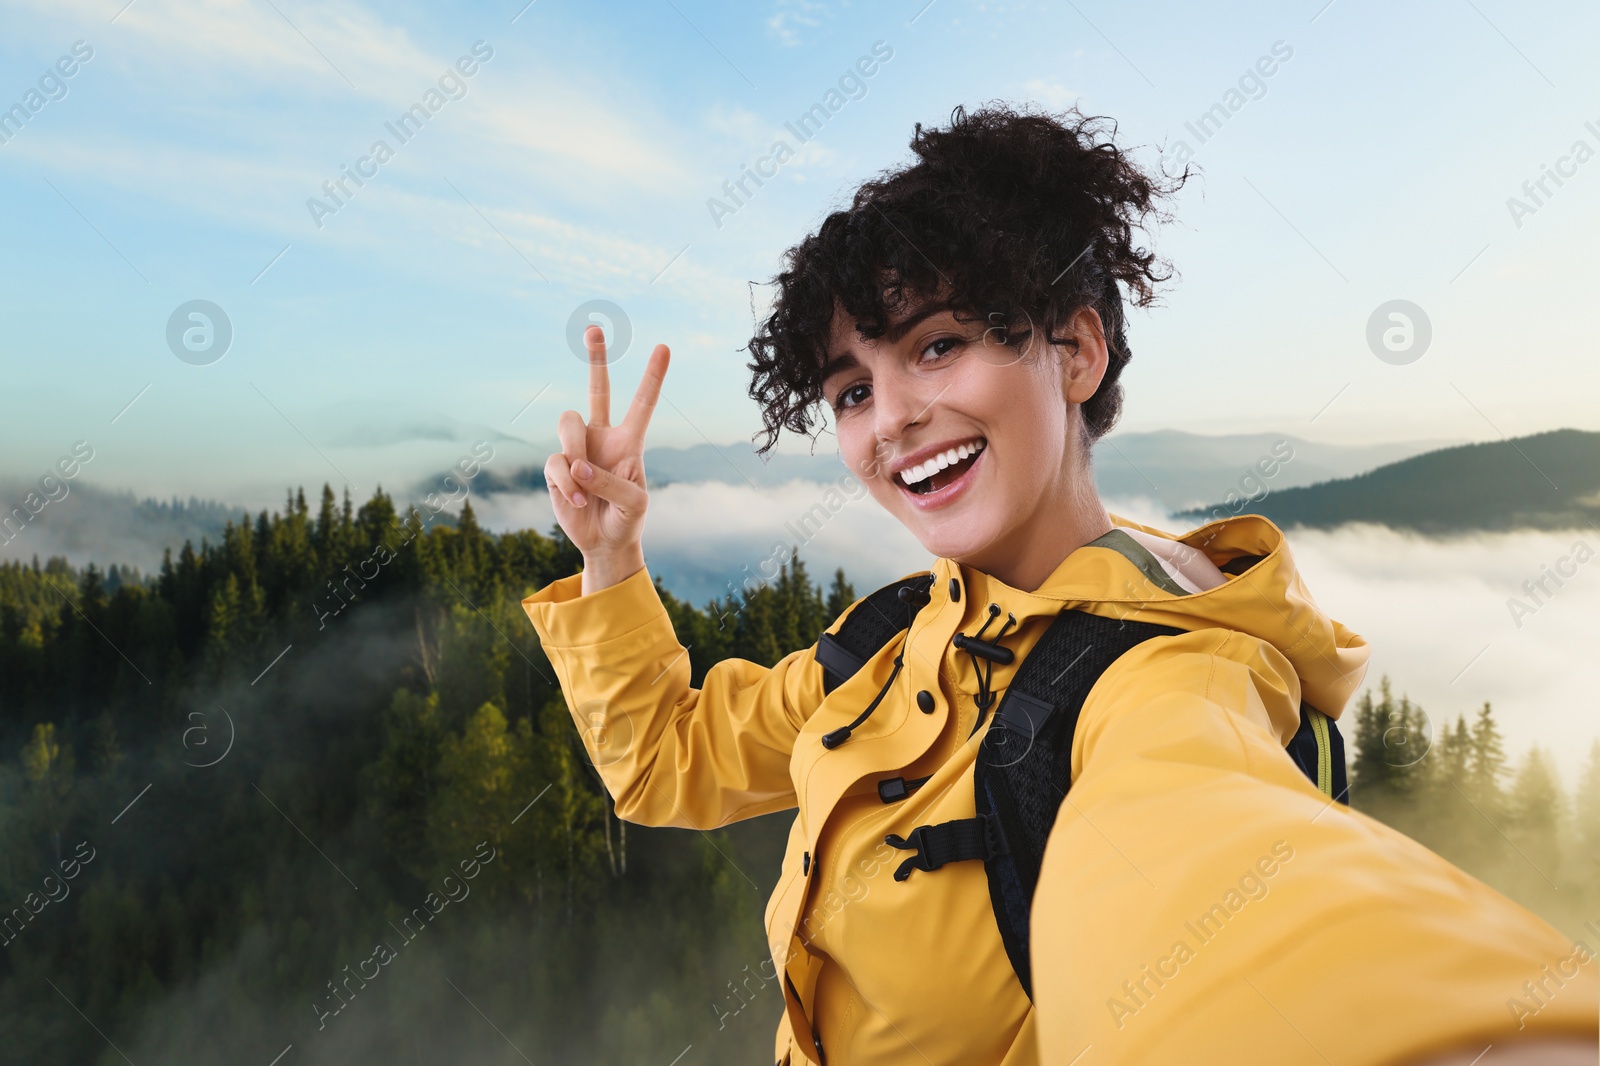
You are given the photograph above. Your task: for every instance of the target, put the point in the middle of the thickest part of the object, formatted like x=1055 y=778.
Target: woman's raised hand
x=596 y=480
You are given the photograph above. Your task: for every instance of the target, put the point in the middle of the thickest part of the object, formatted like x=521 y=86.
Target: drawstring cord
x=991 y=652
x=975 y=647
x=914 y=599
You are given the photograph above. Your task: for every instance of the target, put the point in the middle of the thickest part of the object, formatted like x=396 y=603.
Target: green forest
x=1545 y=480
x=311 y=794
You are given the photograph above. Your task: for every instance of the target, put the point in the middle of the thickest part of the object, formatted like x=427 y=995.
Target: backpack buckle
x=963 y=838
x=916 y=841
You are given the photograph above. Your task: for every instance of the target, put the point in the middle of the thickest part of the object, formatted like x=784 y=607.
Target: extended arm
x=670 y=754
x=1201 y=901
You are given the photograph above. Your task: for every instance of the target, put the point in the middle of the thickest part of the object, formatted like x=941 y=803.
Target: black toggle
x=915 y=598
x=993 y=652
x=895 y=789
x=955 y=591
x=925 y=701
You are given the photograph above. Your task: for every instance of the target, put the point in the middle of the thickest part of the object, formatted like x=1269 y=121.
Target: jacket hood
x=1202 y=578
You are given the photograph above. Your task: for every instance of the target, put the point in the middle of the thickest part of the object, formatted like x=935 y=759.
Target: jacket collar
x=1268 y=601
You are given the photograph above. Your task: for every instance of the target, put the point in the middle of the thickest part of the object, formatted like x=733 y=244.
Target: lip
x=929 y=501
x=922 y=455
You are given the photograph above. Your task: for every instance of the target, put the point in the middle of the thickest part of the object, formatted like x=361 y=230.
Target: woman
x=963 y=323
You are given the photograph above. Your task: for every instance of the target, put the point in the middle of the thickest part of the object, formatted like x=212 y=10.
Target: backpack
x=1024 y=763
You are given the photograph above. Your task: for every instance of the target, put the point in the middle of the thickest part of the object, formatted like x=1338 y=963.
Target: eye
x=851 y=395
x=952 y=342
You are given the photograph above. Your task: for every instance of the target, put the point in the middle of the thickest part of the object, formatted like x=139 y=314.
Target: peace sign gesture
x=596 y=481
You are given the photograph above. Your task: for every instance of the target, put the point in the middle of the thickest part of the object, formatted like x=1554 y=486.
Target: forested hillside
x=313 y=792
x=1544 y=481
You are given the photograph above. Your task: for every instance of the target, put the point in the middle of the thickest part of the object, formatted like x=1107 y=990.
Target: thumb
x=619 y=491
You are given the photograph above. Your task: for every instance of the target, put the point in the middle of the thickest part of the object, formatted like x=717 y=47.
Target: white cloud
x=1435 y=612
x=1051 y=93
x=790 y=17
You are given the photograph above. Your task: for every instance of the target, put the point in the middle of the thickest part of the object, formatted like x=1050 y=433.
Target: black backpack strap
x=1024 y=768
x=1024 y=765
x=961 y=838
x=870 y=624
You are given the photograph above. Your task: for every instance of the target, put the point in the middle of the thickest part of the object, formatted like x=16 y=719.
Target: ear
x=1084 y=363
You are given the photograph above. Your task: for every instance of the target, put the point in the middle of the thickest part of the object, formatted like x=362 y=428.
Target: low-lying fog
x=1436 y=612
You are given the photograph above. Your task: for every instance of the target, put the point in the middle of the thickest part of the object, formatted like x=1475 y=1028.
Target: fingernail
x=578 y=500
x=582 y=469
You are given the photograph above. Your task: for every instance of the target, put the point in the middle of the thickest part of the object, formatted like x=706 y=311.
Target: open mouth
x=942 y=470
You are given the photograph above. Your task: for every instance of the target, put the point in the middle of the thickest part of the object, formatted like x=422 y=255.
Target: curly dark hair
x=1015 y=216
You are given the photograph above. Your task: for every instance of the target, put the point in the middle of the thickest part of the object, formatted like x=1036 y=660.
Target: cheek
x=856 y=451
x=1044 y=410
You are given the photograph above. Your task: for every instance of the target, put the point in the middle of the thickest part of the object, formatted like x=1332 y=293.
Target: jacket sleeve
x=1201 y=901
x=670 y=754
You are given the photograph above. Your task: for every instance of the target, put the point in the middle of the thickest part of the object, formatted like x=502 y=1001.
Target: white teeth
x=925 y=470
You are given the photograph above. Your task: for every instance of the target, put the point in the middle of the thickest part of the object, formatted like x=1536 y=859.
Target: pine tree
x=1586 y=820
x=47 y=763
x=105 y=750
x=841 y=594
x=225 y=622
x=326 y=537
x=401 y=782
x=1537 y=809
x=1384 y=742
x=1369 y=772
x=1486 y=766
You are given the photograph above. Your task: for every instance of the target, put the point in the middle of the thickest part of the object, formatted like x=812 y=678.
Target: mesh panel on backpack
x=870 y=625
x=1024 y=765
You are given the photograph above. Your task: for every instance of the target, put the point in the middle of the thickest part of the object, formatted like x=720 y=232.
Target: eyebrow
x=847 y=360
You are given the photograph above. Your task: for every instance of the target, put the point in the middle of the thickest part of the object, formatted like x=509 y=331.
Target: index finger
x=648 y=392
x=594 y=339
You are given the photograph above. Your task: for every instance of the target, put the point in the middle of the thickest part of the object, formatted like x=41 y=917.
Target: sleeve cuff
x=565 y=618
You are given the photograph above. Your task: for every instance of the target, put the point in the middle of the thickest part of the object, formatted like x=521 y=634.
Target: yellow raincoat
x=1200 y=900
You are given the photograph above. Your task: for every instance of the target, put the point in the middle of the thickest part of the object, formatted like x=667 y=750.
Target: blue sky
x=576 y=162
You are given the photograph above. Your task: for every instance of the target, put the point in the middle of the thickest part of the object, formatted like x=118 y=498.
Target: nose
x=898 y=403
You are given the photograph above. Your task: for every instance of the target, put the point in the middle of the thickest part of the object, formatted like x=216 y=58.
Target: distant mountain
x=1545 y=481
x=1185 y=470
x=106 y=526
x=733 y=464
x=1176 y=469
x=92 y=524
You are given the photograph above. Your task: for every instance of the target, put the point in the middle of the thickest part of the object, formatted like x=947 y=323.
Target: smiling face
x=971 y=445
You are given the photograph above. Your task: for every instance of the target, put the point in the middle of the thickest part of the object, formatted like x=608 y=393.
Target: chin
x=957 y=532
x=954 y=539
